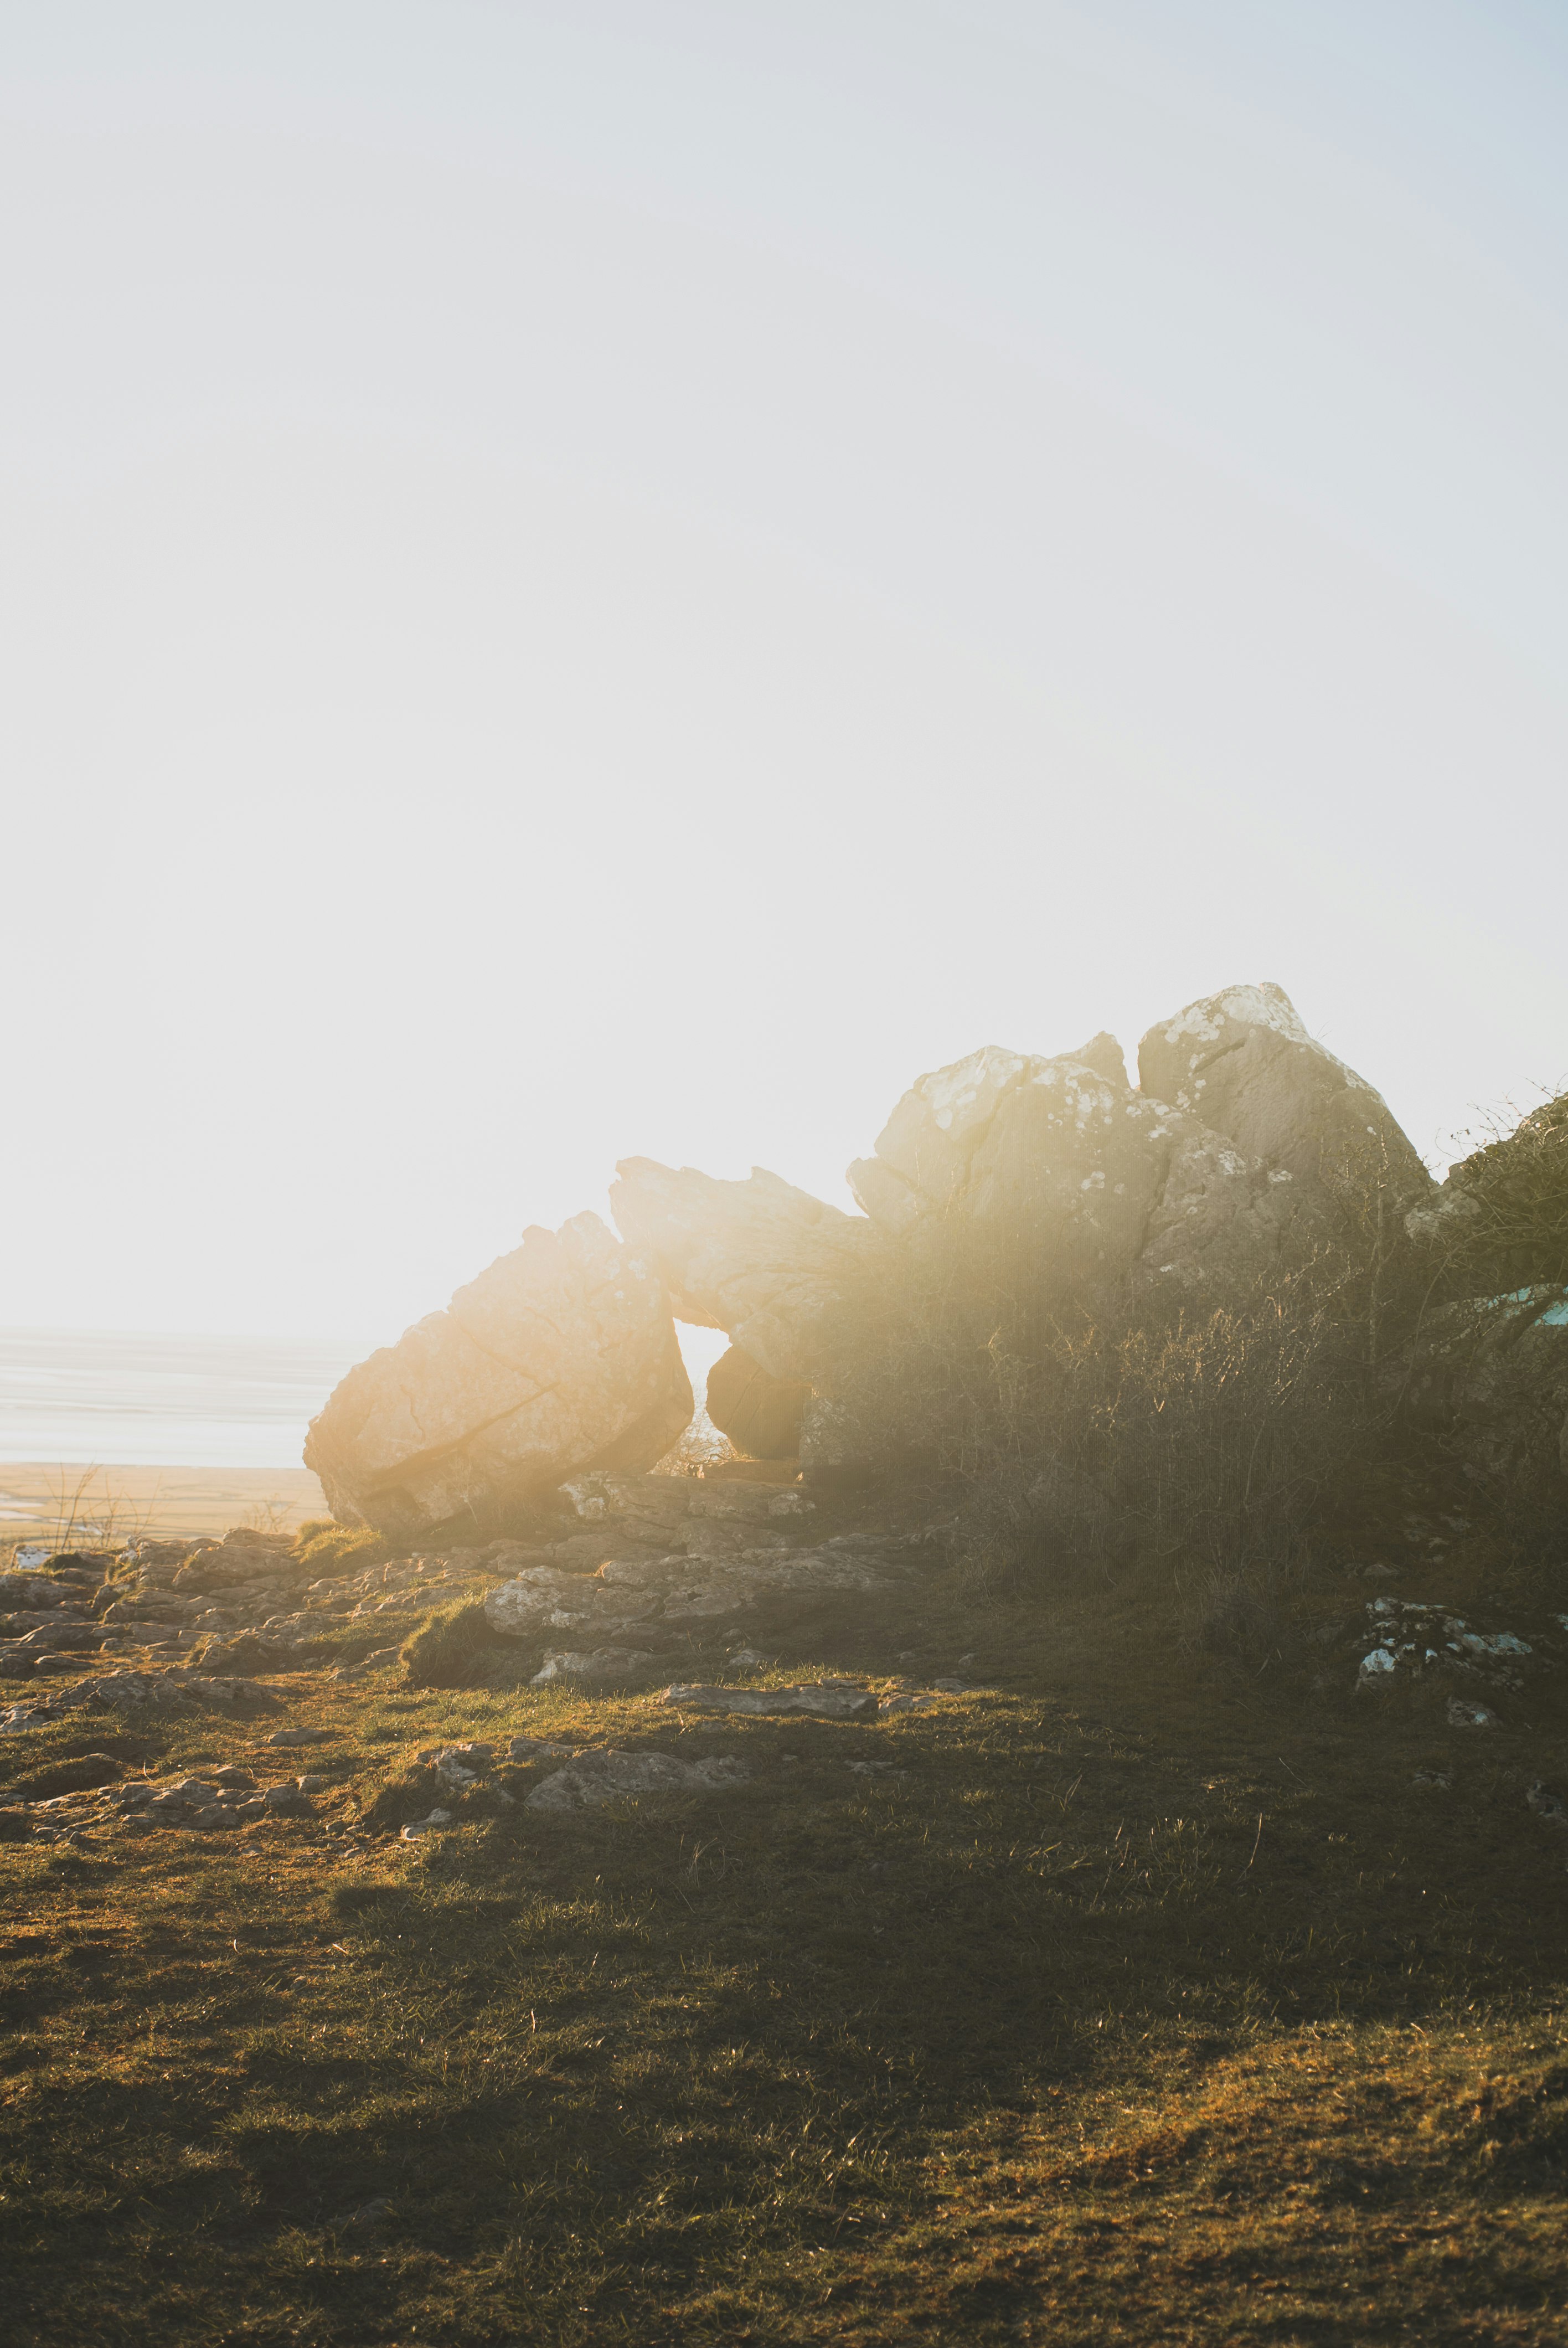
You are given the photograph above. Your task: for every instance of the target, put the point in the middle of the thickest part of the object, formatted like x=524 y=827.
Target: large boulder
x=1064 y=1165
x=1242 y=1063
x=764 y=1261
x=561 y=1357
x=761 y=1415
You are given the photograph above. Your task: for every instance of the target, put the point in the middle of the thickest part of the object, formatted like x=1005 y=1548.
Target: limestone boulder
x=561 y=1358
x=761 y=1415
x=1242 y=1063
x=764 y=1261
x=1064 y=1163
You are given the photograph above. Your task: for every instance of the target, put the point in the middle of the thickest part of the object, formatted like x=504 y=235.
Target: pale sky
x=624 y=579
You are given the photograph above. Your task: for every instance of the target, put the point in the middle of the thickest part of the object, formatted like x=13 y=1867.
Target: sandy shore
x=101 y=1507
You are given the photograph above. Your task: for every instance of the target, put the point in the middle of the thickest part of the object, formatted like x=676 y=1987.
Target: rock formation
x=1062 y=1160
x=759 y=1259
x=1243 y=1063
x=562 y=1356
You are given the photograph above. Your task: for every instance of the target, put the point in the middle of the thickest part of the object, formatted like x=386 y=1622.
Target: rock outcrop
x=1243 y=1063
x=760 y=1259
x=561 y=1357
x=1061 y=1160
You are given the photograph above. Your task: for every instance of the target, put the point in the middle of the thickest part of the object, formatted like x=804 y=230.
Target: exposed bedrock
x=559 y=1358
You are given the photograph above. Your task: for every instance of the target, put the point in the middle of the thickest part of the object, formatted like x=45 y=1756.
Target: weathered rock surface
x=1245 y=1065
x=758 y=1259
x=761 y=1415
x=597 y=1663
x=561 y=1356
x=632 y=1600
x=609 y=1775
x=1064 y=1163
x=827 y=1700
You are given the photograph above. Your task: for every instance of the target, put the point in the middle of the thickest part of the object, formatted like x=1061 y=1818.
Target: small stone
x=300 y=1736
x=1463 y=1714
x=313 y=1785
x=599 y=1663
x=417 y=1826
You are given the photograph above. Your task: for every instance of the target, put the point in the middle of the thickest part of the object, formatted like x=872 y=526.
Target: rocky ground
x=779 y=1931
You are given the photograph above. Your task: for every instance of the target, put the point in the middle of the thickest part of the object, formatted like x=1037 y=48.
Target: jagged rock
x=761 y=1415
x=561 y=1356
x=1060 y=1163
x=608 y=1775
x=759 y=1259
x=1243 y=1061
x=1105 y=1054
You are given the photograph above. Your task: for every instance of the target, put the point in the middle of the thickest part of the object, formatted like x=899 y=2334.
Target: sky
x=626 y=578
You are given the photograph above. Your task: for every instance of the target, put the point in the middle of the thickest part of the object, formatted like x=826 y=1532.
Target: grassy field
x=1139 y=1994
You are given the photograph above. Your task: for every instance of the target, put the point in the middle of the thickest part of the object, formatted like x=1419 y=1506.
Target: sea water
x=120 y=1399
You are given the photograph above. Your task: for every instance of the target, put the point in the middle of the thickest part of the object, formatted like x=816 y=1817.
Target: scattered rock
x=601 y=1664
x=1417 y=1638
x=1463 y=1714
x=608 y=1775
x=1440 y=1781
x=823 y=1700
x=417 y=1826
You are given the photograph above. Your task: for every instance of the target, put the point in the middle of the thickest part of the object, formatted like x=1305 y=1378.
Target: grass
x=1139 y=1997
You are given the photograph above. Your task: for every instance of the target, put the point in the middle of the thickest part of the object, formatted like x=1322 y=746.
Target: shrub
x=1094 y=1423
